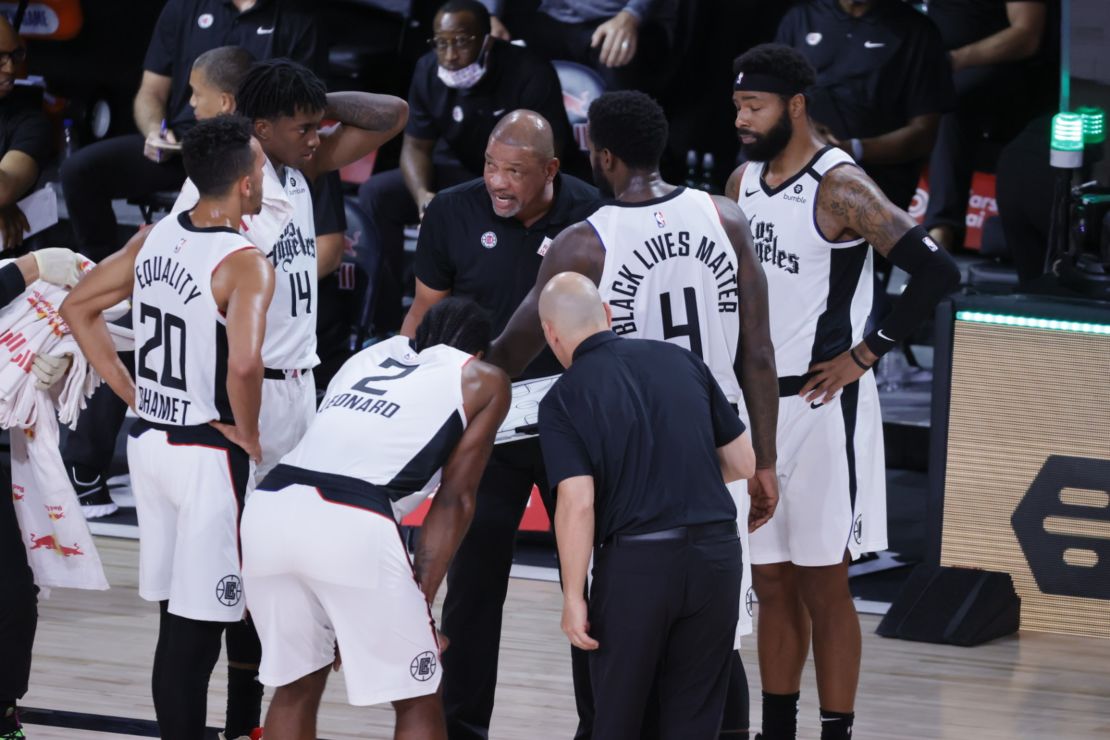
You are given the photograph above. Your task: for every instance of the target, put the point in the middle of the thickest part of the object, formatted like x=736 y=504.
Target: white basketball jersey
x=819 y=292
x=391 y=417
x=180 y=334
x=670 y=274
x=290 y=342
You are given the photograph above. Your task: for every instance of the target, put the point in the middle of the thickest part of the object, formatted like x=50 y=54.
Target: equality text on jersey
x=168 y=271
x=672 y=246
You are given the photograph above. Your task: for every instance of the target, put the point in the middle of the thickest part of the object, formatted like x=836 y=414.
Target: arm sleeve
x=726 y=422
x=421 y=124
x=11 y=283
x=433 y=255
x=327 y=204
x=564 y=452
x=33 y=137
x=162 y=53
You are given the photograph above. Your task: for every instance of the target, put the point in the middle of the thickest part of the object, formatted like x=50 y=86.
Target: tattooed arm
x=850 y=205
x=366 y=121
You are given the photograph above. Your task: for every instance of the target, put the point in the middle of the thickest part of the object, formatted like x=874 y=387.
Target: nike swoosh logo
x=873 y=45
x=264 y=31
x=816 y=405
x=884 y=336
x=750 y=193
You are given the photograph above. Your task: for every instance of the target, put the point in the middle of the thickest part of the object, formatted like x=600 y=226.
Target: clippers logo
x=229 y=590
x=205 y=20
x=423 y=666
x=813 y=39
x=857 y=530
x=1061 y=525
x=660 y=221
x=489 y=240
x=749 y=601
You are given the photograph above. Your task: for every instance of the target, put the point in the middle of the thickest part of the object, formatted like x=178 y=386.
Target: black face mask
x=769 y=145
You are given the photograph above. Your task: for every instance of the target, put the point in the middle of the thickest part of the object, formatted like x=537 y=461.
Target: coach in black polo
x=484 y=240
x=640 y=440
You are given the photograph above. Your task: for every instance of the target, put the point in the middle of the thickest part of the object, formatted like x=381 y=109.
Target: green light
x=1094 y=124
x=1067 y=132
x=1029 y=322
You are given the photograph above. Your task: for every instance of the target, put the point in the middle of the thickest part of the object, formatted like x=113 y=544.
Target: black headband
x=762 y=82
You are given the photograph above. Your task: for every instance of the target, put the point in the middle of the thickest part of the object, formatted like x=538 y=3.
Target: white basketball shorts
x=832 y=480
x=739 y=491
x=325 y=565
x=288 y=405
x=189 y=485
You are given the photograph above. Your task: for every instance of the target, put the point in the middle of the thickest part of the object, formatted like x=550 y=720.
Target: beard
x=603 y=186
x=769 y=145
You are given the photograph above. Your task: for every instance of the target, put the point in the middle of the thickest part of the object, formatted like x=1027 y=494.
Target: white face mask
x=468 y=76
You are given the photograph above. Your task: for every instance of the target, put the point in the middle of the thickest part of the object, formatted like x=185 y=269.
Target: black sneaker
x=92 y=492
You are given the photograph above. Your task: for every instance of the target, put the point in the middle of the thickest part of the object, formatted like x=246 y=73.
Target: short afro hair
x=779 y=61
x=630 y=125
x=225 y=67
x=277 y=88
x=477 y=10
x=217 y=153
x=457 y=322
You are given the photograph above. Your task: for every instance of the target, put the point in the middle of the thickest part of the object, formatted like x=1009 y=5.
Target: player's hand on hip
x=576 y=623
x=832 y=375
x=763 y=490
x=49 y=369
x=251 y=446
x=59 y=266
x=617 y=38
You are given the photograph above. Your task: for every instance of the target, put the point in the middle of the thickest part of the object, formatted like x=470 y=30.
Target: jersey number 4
x=168 y=332
x=691 y=329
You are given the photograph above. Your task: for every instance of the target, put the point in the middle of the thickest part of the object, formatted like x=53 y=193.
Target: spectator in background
x=137 y=164
x=459 y=91
x=26 y=141
x=988 y=43
x=627 y=42
x=883 y=82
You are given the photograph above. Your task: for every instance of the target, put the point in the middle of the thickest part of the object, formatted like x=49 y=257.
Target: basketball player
x=200 y=292
x=673 y=264
x=813 y=213
x=327 y=572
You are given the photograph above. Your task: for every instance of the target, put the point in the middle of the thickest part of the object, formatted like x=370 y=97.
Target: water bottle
x=692 y=170
x=707 y=164
x=69 y=139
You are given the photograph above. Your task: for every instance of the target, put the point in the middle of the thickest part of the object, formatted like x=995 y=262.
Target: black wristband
x=11 y=283
x=857 y=360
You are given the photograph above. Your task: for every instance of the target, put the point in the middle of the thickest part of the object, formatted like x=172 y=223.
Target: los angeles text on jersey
x=671 y=246
x=165 y=270
x=163 y=407
x=767 y=247
x=292 y=244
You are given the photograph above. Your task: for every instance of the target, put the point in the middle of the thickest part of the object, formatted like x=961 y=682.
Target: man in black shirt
x=138 y=164
x=883 y=81
x=485 y=240
x=459 y=91
x=640 y=441
x=26 y=142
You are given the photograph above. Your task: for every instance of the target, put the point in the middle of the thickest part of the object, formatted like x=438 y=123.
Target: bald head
x=571 y=310
x=526 y=129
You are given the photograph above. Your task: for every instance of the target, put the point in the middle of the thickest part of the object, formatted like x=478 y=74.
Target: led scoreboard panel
x=1020 y=458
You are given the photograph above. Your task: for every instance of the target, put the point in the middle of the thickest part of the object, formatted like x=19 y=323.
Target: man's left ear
x=608 y=315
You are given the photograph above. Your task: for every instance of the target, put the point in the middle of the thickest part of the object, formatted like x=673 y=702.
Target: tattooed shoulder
x=850 y=204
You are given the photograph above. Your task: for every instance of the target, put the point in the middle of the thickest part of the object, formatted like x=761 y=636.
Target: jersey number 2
x=363 y=385
x=165 y=327
x=691 y=329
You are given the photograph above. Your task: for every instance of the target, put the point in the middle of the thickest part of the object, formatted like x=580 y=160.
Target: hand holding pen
x=161 y=145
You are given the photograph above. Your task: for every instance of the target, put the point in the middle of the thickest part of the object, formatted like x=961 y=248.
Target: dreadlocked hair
x=277 y=88
x=457 y=322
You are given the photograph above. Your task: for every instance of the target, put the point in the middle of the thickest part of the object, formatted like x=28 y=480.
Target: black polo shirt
x=874 y=74
x=24 y=127
x=460 y=121
x=188 y=28
x=963 y=22
x=645 y=419
x=466 y=248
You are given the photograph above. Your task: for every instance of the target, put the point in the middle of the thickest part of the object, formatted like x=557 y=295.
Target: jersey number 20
x=169 y=334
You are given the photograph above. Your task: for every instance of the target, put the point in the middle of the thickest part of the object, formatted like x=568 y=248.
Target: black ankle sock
x=244 y=702
x=780 y=716
x=8 y=719
x=836 y=725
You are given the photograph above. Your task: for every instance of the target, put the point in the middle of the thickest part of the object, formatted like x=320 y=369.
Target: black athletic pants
x=476 y=584
x=113 y=168
x=665 y=614
x=18 y=601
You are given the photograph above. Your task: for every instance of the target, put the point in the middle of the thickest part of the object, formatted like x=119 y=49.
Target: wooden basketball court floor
x=93 y=654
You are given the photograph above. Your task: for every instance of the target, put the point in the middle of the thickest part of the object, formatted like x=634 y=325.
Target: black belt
x=270 y=373
x=692 y=533
x=193 y=434
x=791 y=385
x=340 y=489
